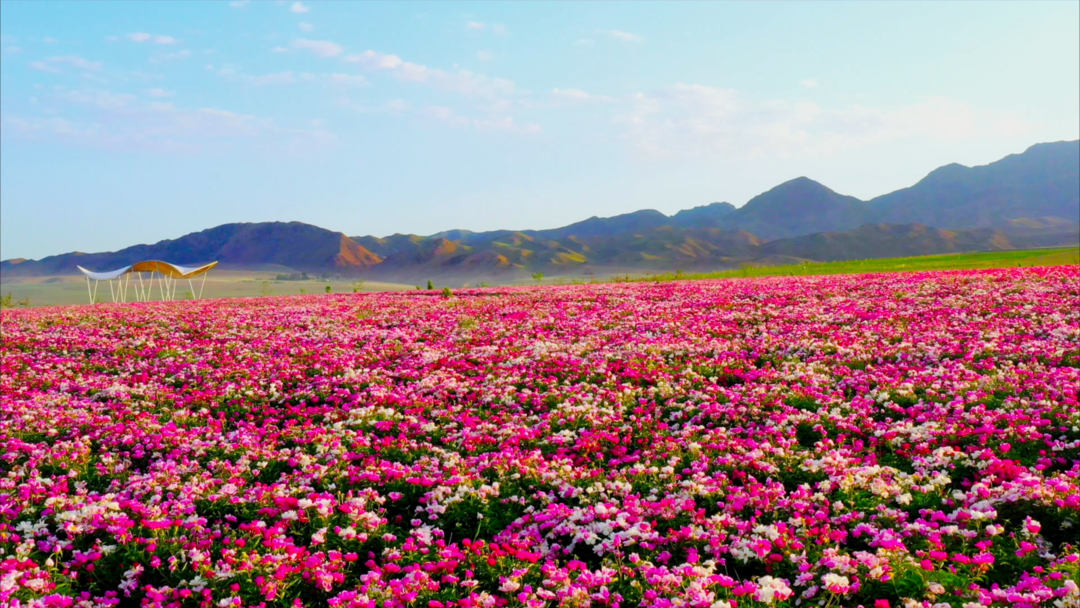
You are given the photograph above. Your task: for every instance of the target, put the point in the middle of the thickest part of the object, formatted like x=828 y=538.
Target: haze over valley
x=1025 y=200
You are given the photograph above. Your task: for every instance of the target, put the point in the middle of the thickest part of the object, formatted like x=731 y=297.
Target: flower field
x=874 y=440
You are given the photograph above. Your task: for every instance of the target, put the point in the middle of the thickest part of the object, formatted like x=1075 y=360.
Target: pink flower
x=680 y=435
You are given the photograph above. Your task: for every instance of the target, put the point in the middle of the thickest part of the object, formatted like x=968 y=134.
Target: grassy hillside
x=957 y=261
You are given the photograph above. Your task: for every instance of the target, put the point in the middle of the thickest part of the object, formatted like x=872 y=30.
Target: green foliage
x=328 y=289
x=358 y=285
x=538 y=276
x=807 y=435
x=430 y=285
x=957 y=261
x=446 y=293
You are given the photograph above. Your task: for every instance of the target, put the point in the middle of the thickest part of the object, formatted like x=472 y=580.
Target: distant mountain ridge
x=797 y=207
x=1023 y=200
x=290 y=244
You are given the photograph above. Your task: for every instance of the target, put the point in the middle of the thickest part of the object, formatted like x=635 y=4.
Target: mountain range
x=1024 y=200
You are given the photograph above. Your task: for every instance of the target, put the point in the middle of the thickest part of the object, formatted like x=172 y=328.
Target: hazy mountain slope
x=293 y=244
x=669 y=246
x=401 y=250
x=606 y=226
x=799 y=206
x=887 y=240
x=705 y=216
x=1042 y=182
x=590 y=228
x=396 y=244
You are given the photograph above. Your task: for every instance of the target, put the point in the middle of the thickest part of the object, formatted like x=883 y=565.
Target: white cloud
x=49 y=40
x=461 y=81
x=503 y=106
x=286 y=78
x=159 y=92
x=321 y=48
x=239 y=3
x=143 y=76
x=484 y=56
x=121 y=123
x=13 y=49
x=44 y=66
x=279 y=78
x=305 y=26
x=100 y=99
x=577 y=95
x=495 y=28
x=619 y=35
x=809 y=83
x=51 y=64
x=394 y=106
x=178 y=55
x=348 y=79
x=299 y=7
x=144 y=37
x=376 y=60
x=444 y=115
x=698 y=120
x=78 y=62
x=275 y=79
x=503 y=123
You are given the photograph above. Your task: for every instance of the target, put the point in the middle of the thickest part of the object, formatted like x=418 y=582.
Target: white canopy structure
x=167 y=274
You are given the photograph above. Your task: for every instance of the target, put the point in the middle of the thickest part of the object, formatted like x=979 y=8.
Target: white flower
x=770 y=588
x=836 y=583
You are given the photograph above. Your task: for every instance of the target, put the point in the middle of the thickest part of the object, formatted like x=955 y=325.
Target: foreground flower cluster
x=875 y=440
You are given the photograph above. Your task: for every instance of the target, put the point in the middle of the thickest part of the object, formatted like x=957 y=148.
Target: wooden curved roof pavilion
x=167 y=274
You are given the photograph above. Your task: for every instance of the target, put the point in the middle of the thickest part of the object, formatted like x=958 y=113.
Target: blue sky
x=125 y=123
